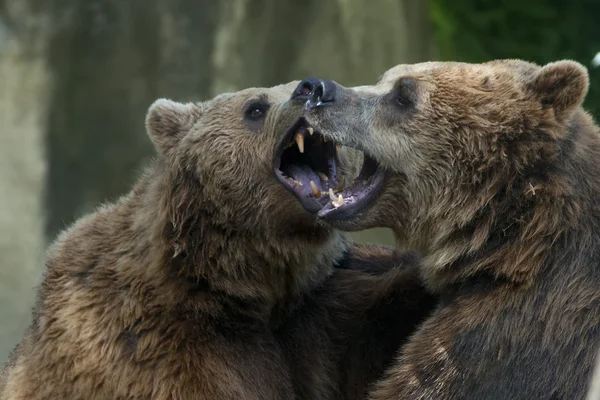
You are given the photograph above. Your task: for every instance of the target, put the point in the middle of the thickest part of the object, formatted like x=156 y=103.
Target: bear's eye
x=403 y=92
x=256 y=111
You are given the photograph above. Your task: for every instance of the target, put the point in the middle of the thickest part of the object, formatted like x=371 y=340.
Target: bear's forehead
x=518 y=68
x=276 y=93
x=422 y=69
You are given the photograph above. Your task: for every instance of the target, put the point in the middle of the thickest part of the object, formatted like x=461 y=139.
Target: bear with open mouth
x=490 y=170
x=210 y=280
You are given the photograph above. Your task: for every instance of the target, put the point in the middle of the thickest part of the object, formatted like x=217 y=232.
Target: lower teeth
x=336 y=201
x=332 y=195
x=339 y=202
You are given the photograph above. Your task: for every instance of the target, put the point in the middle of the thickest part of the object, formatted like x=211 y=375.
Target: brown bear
x=492 y=171
x=210 y=280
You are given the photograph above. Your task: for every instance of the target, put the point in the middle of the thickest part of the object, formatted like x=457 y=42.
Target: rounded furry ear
x=168 y=121
x=562 y=85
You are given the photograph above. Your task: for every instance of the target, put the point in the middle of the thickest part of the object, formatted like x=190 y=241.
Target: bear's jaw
x=356 y=197
x=306 y=164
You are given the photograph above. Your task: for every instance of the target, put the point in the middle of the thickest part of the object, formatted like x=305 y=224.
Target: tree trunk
x=24 y=84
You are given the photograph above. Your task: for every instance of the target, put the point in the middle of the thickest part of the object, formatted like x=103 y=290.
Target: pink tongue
x=303 y=174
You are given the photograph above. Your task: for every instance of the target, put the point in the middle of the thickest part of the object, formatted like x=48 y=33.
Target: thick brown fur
x=209 y=280
x=493 y=173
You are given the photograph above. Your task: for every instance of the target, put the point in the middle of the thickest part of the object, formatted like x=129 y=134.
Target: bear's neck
x=524 y=224
x=215 y=268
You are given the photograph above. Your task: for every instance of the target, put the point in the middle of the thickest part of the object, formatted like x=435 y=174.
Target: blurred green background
x=77 y=76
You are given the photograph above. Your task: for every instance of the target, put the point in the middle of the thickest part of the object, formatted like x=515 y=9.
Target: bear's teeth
x=314 y=189
x=300 y=141
x=323 y=176
x=338 y=147
x=310 y=130
x=339 y=202
x=331 y=195
x=298 y=182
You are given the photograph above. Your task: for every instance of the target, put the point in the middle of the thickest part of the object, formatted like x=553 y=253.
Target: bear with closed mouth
x=491 y=171
x=212 y=278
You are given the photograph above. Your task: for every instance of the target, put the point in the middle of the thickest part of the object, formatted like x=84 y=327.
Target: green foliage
x=540 y=31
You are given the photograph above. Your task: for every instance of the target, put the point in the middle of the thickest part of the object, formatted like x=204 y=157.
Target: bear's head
x=461 y=155
x=232 y=181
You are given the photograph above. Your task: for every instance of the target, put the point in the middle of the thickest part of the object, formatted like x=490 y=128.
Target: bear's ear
x=168 y=121
x=562 y=85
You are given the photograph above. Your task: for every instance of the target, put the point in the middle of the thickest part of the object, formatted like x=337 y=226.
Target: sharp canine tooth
x=310 y=130
x=331 y=195
x=300 y=141
x=341 y=184
x=338 y=202
x=322 y=176
x=314 y=189
x=338 y=147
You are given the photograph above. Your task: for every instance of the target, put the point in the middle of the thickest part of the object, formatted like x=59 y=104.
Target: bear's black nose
x=319 y=92
x=305 y=88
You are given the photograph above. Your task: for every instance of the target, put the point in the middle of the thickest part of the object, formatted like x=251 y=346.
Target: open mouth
x=306 y=164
